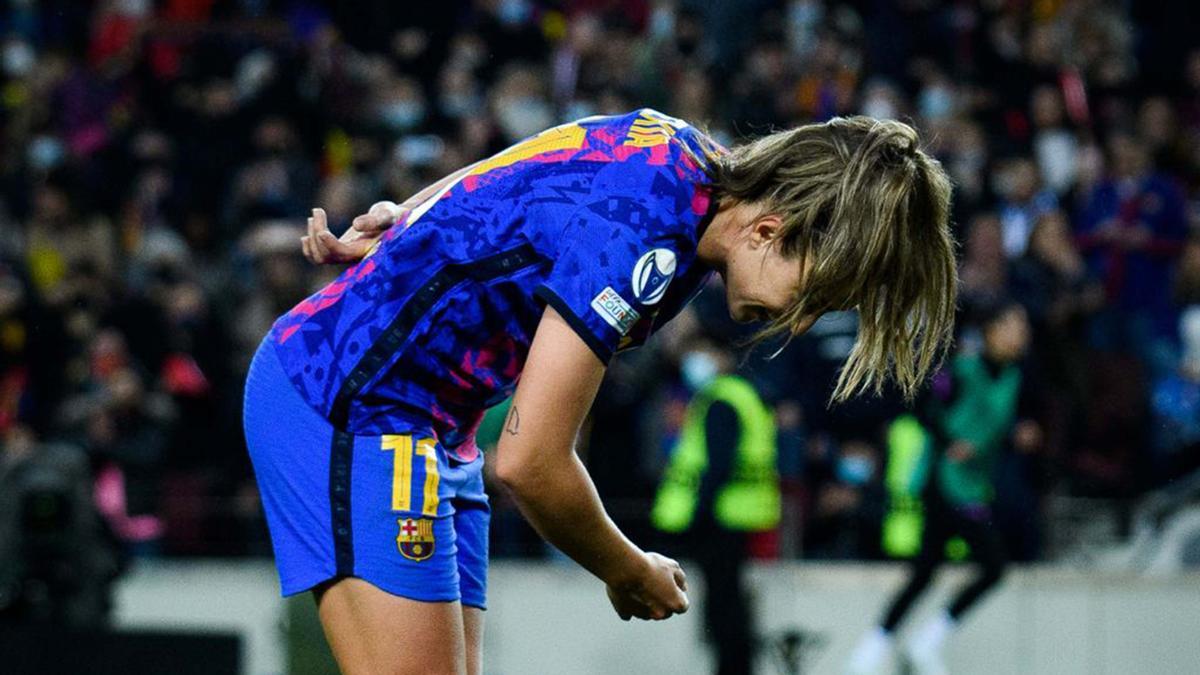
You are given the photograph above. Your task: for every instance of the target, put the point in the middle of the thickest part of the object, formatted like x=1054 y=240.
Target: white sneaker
x=924 y=649
x=870 y=652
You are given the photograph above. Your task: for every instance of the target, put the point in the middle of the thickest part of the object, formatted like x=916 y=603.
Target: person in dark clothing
x=721 y=552
x=969 y=415
x=58 y=560
x=721 y=483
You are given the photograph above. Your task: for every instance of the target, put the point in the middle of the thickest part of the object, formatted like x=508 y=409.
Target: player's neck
x=718 y=239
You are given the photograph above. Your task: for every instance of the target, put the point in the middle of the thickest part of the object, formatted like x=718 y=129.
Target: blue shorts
x=393 y=510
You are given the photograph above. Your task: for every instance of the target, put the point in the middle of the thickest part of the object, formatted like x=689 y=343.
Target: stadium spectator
x=1131 y=230
x=847 y=501
x=1022 y=201
x=1060 y=296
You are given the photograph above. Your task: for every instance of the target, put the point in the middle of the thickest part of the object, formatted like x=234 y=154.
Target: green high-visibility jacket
x=749 y=500
x=907 y=470
x=983 y=414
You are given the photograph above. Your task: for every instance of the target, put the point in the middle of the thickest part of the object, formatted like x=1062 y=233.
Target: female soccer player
x=535 y=266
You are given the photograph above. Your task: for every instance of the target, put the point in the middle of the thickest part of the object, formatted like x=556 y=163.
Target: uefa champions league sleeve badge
x=652 y=274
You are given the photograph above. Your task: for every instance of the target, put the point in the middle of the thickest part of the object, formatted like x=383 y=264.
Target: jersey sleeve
x=618 y=254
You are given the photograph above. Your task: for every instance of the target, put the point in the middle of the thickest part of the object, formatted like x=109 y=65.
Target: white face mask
x=523 y=117
x=135 y=8
x=698 y=369
x=879 y=107
x=18 y=58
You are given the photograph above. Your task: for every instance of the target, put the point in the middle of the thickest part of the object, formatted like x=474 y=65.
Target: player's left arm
x=536 y=460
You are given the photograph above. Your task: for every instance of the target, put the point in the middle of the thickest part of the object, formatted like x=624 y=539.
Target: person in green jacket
x=970 y=415
x=721 y=482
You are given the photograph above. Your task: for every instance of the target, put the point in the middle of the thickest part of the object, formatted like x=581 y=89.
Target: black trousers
x=721 y=554
x=942 y=522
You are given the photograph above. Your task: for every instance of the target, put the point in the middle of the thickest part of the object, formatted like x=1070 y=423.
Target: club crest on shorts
x=652 y=274
x=415 y=539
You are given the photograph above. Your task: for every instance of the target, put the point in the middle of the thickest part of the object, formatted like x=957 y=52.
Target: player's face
x=760 y=281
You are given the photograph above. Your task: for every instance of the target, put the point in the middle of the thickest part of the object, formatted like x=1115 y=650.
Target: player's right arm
x=536 y=460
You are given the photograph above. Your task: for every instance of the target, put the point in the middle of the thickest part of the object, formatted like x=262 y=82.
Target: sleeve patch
x=614 y=310
x=652 y=274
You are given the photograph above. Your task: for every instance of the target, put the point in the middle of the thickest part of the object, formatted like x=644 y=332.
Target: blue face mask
x=936 y=102
x=45 y=153
x=402 y=114
x=513 y=12
x=579 y=109
x=855 y=470
x=662 y=22
x=698 y=369
x=459 y=105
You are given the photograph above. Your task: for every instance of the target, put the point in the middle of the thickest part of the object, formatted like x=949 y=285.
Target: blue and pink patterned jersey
x=598 y=218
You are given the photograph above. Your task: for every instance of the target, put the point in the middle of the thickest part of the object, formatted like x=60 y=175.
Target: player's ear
x=764 y=230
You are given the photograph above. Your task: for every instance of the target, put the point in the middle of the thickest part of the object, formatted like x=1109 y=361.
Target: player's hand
x=322 y=248
x=380 y=217
x=657 y=592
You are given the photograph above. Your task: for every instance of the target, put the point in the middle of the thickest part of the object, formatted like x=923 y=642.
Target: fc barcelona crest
x=415 y=540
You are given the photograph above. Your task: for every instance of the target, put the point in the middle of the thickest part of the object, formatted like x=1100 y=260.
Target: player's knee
x=410 y=662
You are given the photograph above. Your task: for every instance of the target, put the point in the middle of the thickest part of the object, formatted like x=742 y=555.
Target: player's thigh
x=374 y=632
x=473 y=638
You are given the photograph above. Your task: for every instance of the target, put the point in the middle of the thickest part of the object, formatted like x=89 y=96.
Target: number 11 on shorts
x=404 y=449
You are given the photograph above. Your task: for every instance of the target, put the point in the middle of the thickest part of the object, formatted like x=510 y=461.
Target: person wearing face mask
x=521 y=276
x=721 y=483
x=847 y=499
x=971 y=414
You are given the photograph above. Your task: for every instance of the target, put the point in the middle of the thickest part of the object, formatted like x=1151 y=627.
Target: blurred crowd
x=159 y=157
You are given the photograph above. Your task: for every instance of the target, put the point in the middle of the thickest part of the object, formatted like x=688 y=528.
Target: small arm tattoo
x=513 y=424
